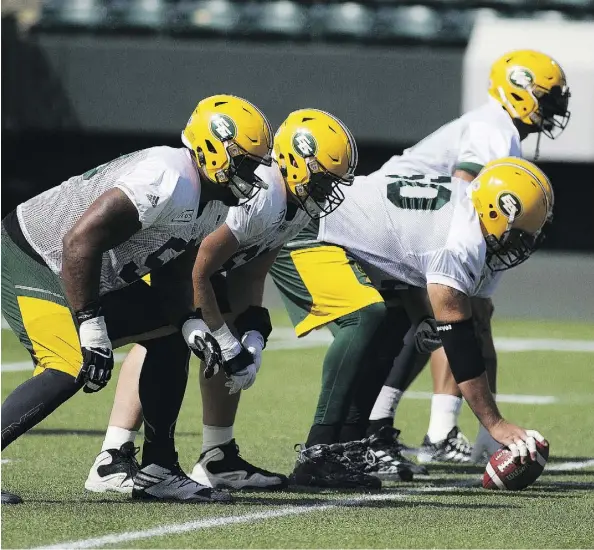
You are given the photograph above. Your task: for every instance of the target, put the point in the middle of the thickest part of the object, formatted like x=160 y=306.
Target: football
x=502 y=473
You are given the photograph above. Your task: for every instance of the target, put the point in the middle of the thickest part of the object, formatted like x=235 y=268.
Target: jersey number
x=130 y=272
x=410 y=194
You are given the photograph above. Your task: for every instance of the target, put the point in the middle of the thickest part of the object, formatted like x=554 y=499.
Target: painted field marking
x=285 y=339
x=284 y=511
x=569 y=466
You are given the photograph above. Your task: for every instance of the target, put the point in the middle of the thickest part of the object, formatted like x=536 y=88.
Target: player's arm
x=465 y=174
x=453 y=314
x=214 y=251
x=109 y=221
x=245 y=287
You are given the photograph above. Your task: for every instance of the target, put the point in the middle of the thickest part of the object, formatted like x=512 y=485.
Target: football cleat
x=223 y=466
x=113 y=470
x=10 y=498
x=384 y=457
x=454 y=448
x=154 y=482
x=326 y=466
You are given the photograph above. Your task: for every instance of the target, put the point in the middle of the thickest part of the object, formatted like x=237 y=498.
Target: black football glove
x=96 y=368
x=203 y=344
x=97 y=354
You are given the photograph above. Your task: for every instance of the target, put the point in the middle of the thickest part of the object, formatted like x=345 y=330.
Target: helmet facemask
x=552 y=115
x=322 y=194
x=240 y=175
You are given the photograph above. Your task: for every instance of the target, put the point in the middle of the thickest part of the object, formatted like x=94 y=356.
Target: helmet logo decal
x=222 y=127
x=520 y=77
x=510 y=205
x=304 y=144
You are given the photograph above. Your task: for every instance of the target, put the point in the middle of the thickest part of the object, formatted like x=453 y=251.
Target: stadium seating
x=379 y=21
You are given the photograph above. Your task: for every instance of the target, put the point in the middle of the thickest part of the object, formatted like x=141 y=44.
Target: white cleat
x=455 y=448
x=113 y=470
x=223 y=466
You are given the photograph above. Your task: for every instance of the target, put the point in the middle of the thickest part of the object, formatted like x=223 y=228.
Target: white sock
x=214 y=436
x=115 y=437
x=386 y=403
x=445 y=410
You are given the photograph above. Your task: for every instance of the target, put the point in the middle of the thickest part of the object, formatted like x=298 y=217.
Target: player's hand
x=203 y=344
x=427 y=339
x=240 y=370
x=96 y=368
x=253 y=341
x=242 y=380
x=521 y=442
x=97 y=354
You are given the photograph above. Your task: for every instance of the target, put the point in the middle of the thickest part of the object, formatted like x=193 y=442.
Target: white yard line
x=284 y=339
x=209 y=523
x=569 y=466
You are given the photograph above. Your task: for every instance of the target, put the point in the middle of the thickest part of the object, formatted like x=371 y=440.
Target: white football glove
x=522 y=449
x=242 y=380
x=253 y=341
x=233 y=351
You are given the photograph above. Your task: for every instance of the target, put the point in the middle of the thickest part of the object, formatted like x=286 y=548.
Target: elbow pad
x=462 y=349
x=254 y=318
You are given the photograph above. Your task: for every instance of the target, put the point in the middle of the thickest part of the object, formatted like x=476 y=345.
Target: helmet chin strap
x=537 y=150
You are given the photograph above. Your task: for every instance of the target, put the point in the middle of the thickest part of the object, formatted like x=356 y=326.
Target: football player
x=435 y=232
x=72 y=262
x=315 y=156
x=528 y=94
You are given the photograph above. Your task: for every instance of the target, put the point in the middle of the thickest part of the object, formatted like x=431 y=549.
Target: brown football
x=502 y=473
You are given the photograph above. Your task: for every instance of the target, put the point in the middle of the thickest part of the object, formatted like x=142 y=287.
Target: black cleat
x=455 y=448
x=154 y=482
x=114 y=470
x=223 y=466
x=384 y=457
x=326 y=466
x=10 y=498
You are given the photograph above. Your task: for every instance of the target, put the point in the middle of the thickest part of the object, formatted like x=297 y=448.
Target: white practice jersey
x=163 y=185
x=416 y=230
x=264 y=223
x=468 y=143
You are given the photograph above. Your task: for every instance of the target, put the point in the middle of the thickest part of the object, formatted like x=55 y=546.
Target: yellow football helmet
x=532 y=87
x=316 y=154
x=230 y=138
x=514 y=200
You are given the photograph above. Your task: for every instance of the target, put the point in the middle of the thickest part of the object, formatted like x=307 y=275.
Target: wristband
x=254 y=318
x=89 y=311
x=462 y=349
x=93 y=333
x=230 y=346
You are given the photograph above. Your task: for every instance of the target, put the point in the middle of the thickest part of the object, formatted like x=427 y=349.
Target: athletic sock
x=115 y=437
x=445 y=410
x=215 y=436
x=386 y=403
x=34 y=400
x=161 y=387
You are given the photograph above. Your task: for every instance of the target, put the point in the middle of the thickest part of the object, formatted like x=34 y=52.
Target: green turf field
x=48 y=468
